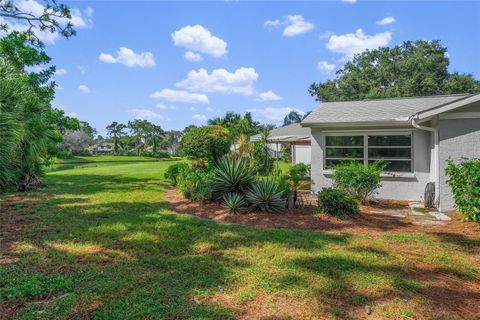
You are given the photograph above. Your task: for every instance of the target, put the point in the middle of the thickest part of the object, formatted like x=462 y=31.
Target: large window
x=396 y=150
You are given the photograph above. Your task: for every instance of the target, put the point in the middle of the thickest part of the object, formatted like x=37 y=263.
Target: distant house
x=294 y=135
x=415 y=136
x=101 y=148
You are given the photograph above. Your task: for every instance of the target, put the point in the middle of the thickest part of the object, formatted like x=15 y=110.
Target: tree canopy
x=413 y=68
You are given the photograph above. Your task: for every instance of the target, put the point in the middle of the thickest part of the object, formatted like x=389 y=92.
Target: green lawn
x=103 y=244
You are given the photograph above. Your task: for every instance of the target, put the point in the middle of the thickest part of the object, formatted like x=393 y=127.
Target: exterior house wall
x=301 y=152
x=401 y=188
x=458 y=138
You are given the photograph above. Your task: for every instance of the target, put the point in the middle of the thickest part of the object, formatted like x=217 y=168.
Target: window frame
x=366 y=158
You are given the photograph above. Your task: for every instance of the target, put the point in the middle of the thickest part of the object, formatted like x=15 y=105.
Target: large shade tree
x=413 y=68
x=116 y=131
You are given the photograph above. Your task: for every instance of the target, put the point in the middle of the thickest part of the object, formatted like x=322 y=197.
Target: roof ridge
x=405 y=98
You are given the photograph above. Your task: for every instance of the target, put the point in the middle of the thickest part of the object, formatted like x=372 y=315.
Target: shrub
x=262 y=160
x=195 y=184
x=336 y=203
x=357 y=180
x=232 y=174
x=464 y=179
x=174 y=171
x=208 y=142
x=266 y=196
x=234 y=202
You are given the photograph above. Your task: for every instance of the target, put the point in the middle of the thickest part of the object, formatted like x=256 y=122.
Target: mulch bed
x=370 y=220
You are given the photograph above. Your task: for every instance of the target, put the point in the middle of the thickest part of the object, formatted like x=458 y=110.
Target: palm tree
x=116 y=131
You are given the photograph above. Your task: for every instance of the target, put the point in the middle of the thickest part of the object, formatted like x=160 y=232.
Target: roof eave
x=393 y=123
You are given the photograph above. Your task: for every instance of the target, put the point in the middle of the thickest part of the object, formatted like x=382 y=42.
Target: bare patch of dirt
x=370 y=220
x=16 y=213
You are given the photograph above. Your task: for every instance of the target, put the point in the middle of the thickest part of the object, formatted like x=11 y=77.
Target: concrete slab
x=428 y=223
x=440 y=216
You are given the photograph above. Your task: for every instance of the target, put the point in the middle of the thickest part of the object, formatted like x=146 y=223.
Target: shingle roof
x=381 y=110
x=291 y=132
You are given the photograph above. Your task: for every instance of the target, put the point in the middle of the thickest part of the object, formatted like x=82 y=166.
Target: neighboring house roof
x=398 y=110
x=289 y=133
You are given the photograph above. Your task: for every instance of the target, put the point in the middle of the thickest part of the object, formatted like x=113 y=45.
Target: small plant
x=232 y=174
x=336 y=203
x=266 y=196
x=234 y=202
x=464 y=179
x=174 y=170
x=262 y=160
x=195 y=184
x=359 y=181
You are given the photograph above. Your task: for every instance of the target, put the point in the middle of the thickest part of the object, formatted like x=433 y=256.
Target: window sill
x=382 y=175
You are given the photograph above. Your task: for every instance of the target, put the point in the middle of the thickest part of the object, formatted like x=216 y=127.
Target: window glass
x=344 y=152
x=397 y=166
x=403 y=140
x=331 y=163
x=380 y=153
x=344 y=141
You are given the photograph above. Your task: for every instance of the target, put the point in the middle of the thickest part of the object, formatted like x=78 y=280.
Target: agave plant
x=234 y=202
x=232 y=175
x=266 y=196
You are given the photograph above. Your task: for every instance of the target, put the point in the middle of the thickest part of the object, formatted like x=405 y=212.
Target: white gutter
x=436 y=154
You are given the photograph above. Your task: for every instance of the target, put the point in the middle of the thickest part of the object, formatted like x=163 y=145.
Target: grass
x=103 y=244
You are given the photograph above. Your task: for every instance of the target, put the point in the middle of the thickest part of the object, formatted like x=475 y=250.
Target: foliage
x=245 y=147
x=208 y=142
x=286 y=150
x=28 y=123
x=357 y=180
x=262 y=160
x=464 y=179
x=237 y=125
x=234 y=202
x=413 y=68
x=116 y=131
x=232 y=174
x=337 y=203
x=292 y=117
x=174 y=171
x=195 y=184
x=54 y=17
x=266 y=196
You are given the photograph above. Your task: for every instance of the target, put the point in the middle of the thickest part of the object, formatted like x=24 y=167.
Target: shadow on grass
x=136 y=259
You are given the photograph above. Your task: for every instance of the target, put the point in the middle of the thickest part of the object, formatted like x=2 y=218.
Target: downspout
x=436 y=155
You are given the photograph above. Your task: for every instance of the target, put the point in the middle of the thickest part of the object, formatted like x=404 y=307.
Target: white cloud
x=60 y=72
x=274 y=114
x=385 y=21
x=200 y=117
x=349 y=1
x=268 y=96
x=84 y=88
x=294 y=25
x=180 y=96
x=198 y=38
x=35 y=8
x=326 y=35
x=325 y=66
x=165 y=107
x=220 y=80
x=129 y=58
x=145 y=114
x=351 y=43
x=192 y=56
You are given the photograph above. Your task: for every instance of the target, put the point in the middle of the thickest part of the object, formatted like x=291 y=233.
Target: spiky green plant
x=234 y=202
x=232 y=174
x=266 y=196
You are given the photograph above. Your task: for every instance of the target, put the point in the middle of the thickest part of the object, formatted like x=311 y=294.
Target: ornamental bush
x=208 y=142
x=174 y=171
x=357 y=180
x=195 y=184
x=464 y=179
x=336 y=203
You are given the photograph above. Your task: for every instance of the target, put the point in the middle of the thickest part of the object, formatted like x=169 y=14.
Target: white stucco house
x=414 y=135
x=296 y=136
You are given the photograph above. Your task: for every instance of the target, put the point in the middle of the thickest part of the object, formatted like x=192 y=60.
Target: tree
x=28 y=123
x=55 y=17
x=115 y=131
x=292 y=117
x=209 y=143
x=155 y=135
x=236 y=124
x=171 y=141
x=262 y=160
x=138 y=130
x=414 y=68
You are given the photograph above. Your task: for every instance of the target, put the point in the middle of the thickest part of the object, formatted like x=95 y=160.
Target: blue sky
x=257 y=56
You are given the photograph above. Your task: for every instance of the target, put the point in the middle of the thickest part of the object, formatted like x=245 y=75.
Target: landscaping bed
x=371 y=219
